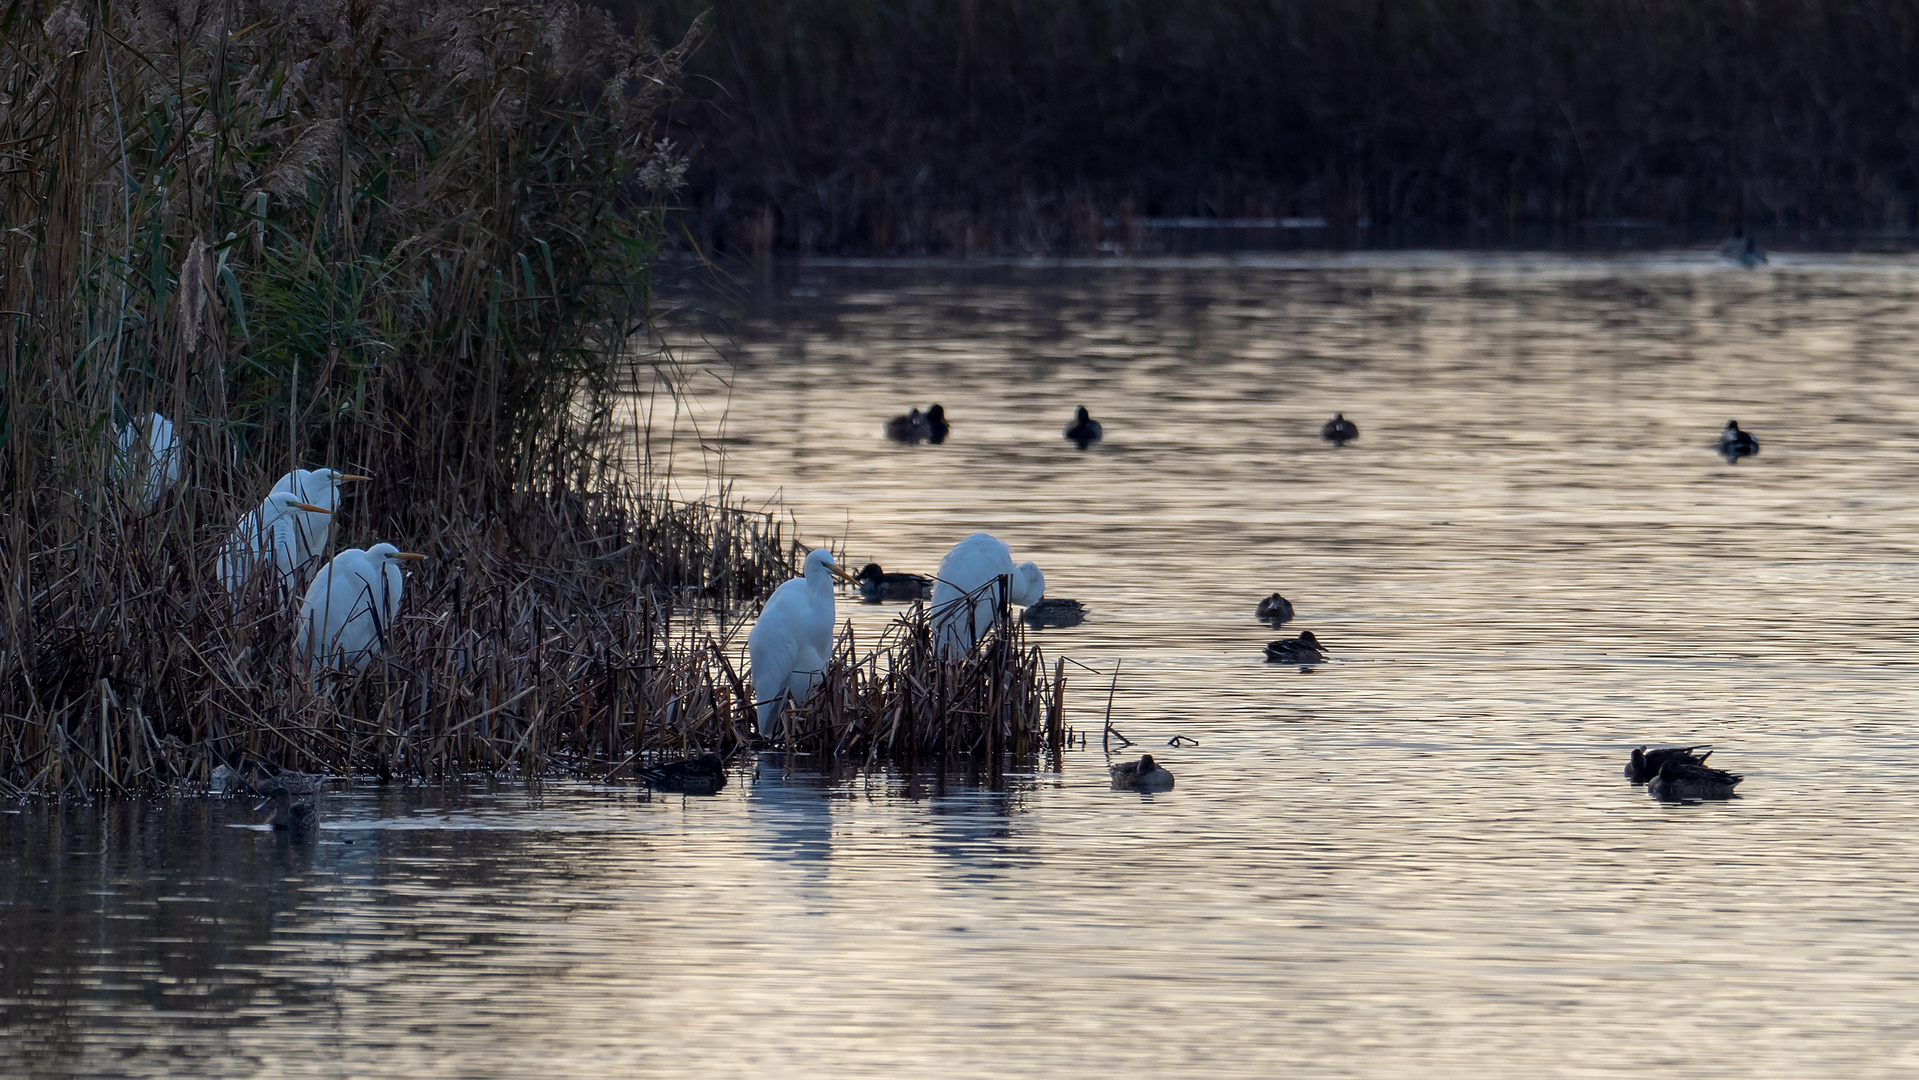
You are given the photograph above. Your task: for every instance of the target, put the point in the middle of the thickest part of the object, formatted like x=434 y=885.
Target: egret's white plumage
x=150 y=451
x=349 y=608
x=971 y=570
x=304 y=535
x=789 y=644
x=259 y=539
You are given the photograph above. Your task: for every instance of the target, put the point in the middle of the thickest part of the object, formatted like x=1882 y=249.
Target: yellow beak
x=311 y=509
x=349 y=476
x=409 y=555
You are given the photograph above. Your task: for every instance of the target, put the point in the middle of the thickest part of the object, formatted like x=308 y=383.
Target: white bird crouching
x=150 y=452
x=257 y=541
x=790 y=642
x=349 y=609
x=302 y=537
x=967 y=583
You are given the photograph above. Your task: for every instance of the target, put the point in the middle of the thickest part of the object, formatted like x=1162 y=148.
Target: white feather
x=967 y=585
x=790 y=642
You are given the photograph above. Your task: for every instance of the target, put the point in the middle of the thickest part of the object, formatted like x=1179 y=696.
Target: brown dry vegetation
x=857 y=126
x=412 y=240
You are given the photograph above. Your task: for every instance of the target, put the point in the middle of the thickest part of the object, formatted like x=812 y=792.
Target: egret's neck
x=818 y=578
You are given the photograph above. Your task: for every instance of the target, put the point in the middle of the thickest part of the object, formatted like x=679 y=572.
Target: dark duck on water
x=1142 y=775
x=912 y=429
x=1735 y=444
x=877 y=586
x=1679 y=781
x=1084 y=431
x=1339 y=431
x=703 y=775
x=1645 y=763
x=936 y=425
x=1304 y=649
x=1275 y=609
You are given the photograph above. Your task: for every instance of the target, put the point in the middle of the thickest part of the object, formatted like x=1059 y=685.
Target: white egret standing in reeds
x=790 y=642
x=307 y=533
x=350 y=606
x=260 y=539
x=967 y=583
x=149 y=450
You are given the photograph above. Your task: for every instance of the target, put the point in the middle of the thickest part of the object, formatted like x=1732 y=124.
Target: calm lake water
x=1419 y=860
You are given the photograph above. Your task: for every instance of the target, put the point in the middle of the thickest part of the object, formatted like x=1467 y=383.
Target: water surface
x=1420 y=859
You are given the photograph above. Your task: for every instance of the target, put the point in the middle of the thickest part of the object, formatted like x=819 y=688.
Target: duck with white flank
x=1275 y=609
x=1645 y=763
x=1142 y=775
x=1304 y=649
x=1735 y=444
x=1084 y=431
x=1678 y=781
x=1339 y=431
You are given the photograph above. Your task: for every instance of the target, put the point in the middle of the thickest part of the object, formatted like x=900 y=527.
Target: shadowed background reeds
x=897 y=126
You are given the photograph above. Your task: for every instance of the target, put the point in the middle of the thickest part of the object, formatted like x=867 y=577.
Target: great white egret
x=258 y=539
x=349 y=608
x=1339 y=431
x=1142 y=775
x=305 y=534
x=149 y=451
x=967 y=585
x=789 y=644
x=1084 y=431
x=1735 y=444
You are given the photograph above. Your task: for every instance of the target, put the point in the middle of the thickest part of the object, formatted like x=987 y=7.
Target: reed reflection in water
x=1420 y=859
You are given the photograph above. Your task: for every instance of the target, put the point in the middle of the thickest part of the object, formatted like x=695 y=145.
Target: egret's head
x=387 y=553
x=823 y=560
x=1028 y=586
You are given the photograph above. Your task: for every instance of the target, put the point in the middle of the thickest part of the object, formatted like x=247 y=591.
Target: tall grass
x=879 y=126
x=409 y=240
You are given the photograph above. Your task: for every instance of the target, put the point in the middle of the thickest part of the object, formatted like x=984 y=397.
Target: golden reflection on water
x=1418 y=860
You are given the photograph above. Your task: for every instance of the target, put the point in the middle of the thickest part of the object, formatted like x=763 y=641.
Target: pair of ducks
x=1303 y=650
x=878 y=587
x=1680 y=774
x=917 y=427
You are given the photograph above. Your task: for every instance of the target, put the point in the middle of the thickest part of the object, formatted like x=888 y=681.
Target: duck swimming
x=1339 y=431
x=1275 y=609
x=1742 y=249
x=1304 y=649
x=703 y=775
x=1680 y=782
x=1735 y=444
x=1084 y=431
x=291 y=813
x=912 y=429
x=1645 y=763
x=877 y=586
x=1142 y=775
x=936 y=425
x=1055 y=612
